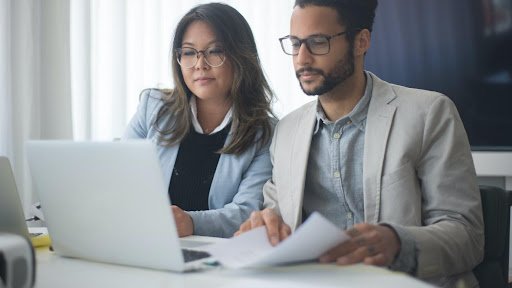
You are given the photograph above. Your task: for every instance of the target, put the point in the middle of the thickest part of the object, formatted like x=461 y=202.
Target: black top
x=195 y=166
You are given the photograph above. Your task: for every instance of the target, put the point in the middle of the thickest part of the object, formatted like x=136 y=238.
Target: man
x=390 y=164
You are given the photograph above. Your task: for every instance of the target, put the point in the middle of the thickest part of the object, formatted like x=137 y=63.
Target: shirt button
x=349 y=215
x=337 y=174
x=337 y=135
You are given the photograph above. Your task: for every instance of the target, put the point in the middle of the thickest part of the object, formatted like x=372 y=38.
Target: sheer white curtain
x=34 y=79
x=119 y=47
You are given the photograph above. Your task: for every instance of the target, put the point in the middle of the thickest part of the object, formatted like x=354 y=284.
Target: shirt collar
x=357 y=116
x=195 y=122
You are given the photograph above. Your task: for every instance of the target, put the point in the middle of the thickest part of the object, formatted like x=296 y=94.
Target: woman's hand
x=184 y=222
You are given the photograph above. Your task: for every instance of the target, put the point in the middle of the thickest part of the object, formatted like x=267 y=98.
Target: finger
x=284 y=232
x=246 y=226
x=359 y=254
x=377 y=260
x=273 y=223
x=355 y=256
x=256 y=220
x=362 y=236
x=367 y=238
x=338 y=251
x=239 y=231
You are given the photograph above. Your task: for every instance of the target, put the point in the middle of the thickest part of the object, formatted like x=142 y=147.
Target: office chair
x=493 y=270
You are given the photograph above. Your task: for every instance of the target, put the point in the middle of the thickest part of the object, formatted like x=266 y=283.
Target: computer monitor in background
x=461 y=48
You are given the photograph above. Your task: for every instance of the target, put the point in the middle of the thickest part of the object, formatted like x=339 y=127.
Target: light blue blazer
x=237 y=185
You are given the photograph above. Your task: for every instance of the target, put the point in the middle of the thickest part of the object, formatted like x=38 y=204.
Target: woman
x=214 y=128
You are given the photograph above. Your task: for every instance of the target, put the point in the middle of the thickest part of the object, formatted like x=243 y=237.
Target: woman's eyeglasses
x=187 y=57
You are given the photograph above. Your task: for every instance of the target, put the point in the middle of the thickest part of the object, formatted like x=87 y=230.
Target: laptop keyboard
x=192 y=255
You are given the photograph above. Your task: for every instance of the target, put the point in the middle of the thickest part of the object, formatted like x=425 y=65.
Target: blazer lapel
x=378 y=125
x=299 y=161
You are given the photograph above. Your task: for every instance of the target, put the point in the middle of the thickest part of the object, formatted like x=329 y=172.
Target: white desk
x=494 y=164
x=56 y=272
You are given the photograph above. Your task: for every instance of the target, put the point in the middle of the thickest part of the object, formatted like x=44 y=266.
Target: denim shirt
x=334 y=179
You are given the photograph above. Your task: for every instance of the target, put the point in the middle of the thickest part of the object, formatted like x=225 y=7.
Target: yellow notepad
x=41 y=240
x=39 y=236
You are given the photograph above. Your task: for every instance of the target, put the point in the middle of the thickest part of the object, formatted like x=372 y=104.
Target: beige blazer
x=418 y=173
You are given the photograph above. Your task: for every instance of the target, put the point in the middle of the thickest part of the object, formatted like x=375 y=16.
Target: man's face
x=319 y=74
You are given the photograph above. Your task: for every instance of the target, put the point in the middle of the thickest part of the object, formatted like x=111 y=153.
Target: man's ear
x=362 y=42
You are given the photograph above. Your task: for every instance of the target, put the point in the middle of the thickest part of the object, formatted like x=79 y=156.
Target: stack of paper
x=313 y=238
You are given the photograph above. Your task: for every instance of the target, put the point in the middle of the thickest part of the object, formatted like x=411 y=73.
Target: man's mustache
x=309 y=69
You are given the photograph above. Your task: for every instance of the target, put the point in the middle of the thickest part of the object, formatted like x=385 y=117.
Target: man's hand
x=372 y=244
x=183 y=221
x=277 y=230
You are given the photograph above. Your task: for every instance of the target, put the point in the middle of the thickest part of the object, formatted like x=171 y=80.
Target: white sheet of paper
x=308 y=242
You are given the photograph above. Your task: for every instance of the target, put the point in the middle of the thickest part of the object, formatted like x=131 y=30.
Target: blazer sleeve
x=225 y=221
x=451 y=240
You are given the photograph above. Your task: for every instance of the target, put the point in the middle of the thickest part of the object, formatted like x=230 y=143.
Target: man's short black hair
x=353 y=14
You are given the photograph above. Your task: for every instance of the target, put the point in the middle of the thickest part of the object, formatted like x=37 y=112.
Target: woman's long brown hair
x=250 y=92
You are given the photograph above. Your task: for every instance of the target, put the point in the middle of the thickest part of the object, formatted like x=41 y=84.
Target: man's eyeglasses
x=317 y=44
x=187 y=57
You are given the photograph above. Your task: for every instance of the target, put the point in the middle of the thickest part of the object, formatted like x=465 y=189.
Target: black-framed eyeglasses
x=316 y=44
x=187 y=57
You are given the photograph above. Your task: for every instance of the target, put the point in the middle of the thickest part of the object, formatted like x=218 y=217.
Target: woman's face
x=206 y=82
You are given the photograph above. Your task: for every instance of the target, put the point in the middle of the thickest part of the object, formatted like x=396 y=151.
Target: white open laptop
x=12 y=219
x=108 y=202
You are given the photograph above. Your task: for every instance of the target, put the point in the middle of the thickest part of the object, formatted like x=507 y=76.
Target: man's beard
x=343 y=70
